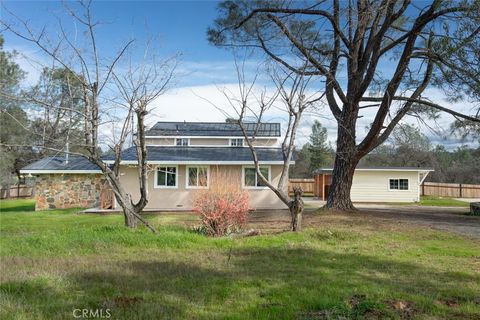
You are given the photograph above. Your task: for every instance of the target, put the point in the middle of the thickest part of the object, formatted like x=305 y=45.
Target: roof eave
x=53 y=171
x=210 y=137
x=196 y=162
x=380 y=169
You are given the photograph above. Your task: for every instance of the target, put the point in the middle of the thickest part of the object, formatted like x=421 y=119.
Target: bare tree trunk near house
x=290 y=94
x=296 y=209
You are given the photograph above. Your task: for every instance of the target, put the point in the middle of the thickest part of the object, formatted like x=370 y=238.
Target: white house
x=378 y=184
x=184 y=156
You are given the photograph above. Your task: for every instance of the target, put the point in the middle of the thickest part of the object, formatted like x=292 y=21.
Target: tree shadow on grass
x=280 y=283
x=20 y=206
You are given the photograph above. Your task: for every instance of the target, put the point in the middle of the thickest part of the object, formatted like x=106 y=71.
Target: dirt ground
x=449 y=219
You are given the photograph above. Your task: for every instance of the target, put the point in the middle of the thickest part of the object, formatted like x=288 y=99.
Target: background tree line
x=47 y=115
x=407 y=147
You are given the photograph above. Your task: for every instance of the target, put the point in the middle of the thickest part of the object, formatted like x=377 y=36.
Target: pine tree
x=320 y=151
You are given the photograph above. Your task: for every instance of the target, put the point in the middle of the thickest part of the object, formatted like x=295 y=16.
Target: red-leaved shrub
x=223 y=207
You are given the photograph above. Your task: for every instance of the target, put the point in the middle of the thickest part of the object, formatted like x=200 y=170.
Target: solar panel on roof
x=212 y=129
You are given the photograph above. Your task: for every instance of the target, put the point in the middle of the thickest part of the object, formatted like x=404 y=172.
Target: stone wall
x=62 y=191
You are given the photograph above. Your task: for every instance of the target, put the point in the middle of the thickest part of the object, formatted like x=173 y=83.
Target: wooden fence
x=454 y=190
x=18 y=191
x=307 y=185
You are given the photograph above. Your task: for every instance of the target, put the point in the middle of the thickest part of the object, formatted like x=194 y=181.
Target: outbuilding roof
x=377 y=168
x=57 y=164
x=213 y=129
x=203 y=155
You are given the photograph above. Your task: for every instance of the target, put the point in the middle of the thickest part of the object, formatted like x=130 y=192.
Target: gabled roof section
x=203 y=155
x=212 y=129
x=57 y=164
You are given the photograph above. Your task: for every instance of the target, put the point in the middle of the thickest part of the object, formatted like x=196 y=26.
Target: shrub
x=223 y=208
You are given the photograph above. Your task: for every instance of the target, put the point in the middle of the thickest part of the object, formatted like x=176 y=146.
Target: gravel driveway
x=451 y=219
x=441 y=218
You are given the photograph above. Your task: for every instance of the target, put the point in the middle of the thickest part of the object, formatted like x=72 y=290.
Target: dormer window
x=182 y=142
x=236 y=142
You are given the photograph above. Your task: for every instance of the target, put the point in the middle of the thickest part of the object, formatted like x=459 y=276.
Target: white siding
x=373 y=186
x=160 y=141
x=208 y=142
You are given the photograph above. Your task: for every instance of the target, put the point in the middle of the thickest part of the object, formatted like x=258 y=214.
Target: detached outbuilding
x=63 y=183
x=377 y=184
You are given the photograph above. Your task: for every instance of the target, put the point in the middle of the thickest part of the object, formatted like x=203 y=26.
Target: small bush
x=223 y=208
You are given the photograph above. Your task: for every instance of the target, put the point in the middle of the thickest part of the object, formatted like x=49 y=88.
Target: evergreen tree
x=301 y=168
x=318 y=147
x=13 y=120
x=58 y=119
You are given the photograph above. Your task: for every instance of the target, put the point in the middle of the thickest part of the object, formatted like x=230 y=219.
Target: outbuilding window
x=197 y=177
x=398 y=184
x=166 y=177
x=252 y=180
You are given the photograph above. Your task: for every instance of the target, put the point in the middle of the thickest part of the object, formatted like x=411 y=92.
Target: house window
x=166 y=177
x=236 y=142
x=252 y=180
x=398 y=184
x=182 y=142
x=197 y=177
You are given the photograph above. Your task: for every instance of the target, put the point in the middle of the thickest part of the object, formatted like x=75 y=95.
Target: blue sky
x=180 y=27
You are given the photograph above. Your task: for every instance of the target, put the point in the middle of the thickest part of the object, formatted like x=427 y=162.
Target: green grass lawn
x=53 y=262
x=442 y=202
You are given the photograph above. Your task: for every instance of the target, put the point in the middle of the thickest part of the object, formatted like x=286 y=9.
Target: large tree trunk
x=339 y=192
x=346 y=160
x=296 y=210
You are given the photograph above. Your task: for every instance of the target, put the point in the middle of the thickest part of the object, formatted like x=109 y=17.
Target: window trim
x=232 y=139
x=403 y=190
x=188 y=142
x=155 y=181
x=187 y=186
x=255 y=187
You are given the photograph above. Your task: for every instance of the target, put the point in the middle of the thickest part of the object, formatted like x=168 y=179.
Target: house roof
x=160 y=155
x=57 y=164
x=378 y=168
x=203 y=155
x=212 y=129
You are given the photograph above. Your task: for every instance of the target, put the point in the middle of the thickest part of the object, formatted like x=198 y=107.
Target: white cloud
x=197 y=103
x=190 y=104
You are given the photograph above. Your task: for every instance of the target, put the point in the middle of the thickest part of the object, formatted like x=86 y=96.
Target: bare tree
x=138 y=88
x=290 y=96
x=106 y=88
x=346 y=43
